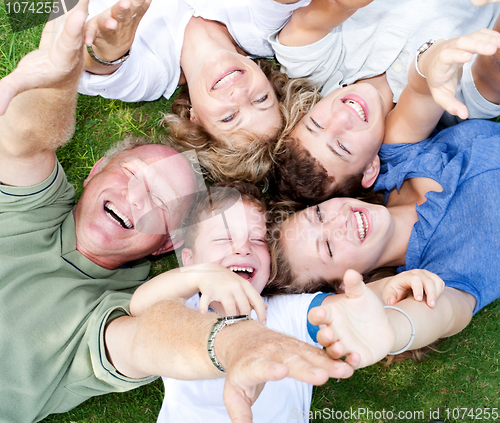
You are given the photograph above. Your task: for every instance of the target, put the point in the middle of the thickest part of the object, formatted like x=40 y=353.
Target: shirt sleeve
x=319 y=62
x=55 y=190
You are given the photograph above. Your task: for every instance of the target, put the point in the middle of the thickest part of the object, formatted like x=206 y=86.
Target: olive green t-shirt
x=54 y=306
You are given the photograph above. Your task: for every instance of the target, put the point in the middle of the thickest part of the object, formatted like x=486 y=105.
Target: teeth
x=362 y=224
x=241 y=269
x=357 y=108
x=227 y=78
x=123 y=220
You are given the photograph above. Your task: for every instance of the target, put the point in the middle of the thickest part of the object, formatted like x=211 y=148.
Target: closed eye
x=262 y=99
x=229 y=118
x=328 y=248
x=316 y=124
x=318 y=213
x=342 y=147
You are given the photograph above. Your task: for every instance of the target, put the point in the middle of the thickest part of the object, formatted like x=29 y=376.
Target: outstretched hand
x=355 y=324
x=112 y=32
x=265 y=355
x=56 y=63
x=442 y=65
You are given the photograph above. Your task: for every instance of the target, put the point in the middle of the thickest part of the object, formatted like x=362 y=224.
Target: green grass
x=464 y=373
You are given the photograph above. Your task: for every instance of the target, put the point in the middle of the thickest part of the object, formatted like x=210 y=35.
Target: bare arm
x=311 y=23
x=112 y=32
x=215 y=282
x=423 y=101
x=359 y=327
x=171 y=340
x=38 y=101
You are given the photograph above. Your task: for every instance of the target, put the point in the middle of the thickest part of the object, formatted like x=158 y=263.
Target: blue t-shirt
x=457 y=234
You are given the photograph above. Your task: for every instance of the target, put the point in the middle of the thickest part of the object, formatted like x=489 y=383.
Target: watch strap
x=216 y=328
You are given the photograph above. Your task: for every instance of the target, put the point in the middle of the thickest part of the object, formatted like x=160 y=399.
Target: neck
x=108 y=263
x=404 y=217
x=203 y=38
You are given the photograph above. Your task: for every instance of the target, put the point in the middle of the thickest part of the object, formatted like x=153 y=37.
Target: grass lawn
x=460 y=381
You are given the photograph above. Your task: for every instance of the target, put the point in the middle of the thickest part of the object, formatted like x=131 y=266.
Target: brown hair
x=216 y=199
x=240 y=156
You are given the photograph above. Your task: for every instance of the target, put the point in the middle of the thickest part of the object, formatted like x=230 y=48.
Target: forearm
x=452 y=313
x=311 y=23
x=415 y=115
x=172 y=285
x=167 y=340
x=170 y=340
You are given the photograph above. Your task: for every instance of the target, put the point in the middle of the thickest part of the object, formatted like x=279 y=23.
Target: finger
x=390 y=296
x=321 y=315
x=241 y=389
x=316 y=370
x=120 y=10
x=205 y=301
x=353 y=359
x=449 y=103
x=417 y=285
x=326 y=336
x=430 y=292
x=256 y=302
x=336 y=350
x=354 y=286
x=229 y=306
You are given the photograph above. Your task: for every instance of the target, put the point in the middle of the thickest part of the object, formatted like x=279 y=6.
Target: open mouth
x=114 y=214
x=226 y=78
x=362 y=222
x=357 y=108
x=245 y=272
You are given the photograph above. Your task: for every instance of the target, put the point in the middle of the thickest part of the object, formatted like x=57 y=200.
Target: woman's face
x=229 y=93
x=338 y=234
x=345 y=130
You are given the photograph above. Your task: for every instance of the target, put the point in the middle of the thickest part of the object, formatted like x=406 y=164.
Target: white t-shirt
x=281 y=401
x=153 y=68
x=381 y=37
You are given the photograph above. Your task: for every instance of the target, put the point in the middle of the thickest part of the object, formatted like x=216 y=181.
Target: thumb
x=239 y=399
x=354 y=286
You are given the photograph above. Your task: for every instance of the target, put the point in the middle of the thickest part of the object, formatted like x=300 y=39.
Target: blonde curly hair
x=243 y=156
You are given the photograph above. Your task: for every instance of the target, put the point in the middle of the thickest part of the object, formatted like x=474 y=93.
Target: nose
x=242 y=248
x=335 y=226
x=340 y=120
x=239 y=94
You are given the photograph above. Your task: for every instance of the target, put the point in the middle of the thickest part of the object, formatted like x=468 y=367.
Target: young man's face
x=235 y=240
x=344 y=132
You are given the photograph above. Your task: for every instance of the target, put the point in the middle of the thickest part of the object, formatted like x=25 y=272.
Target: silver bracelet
x=412 y=337
x=104 y=62
x=216 y=328
x=423 y=48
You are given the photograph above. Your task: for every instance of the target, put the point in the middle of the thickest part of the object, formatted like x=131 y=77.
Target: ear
x=192 y=116
x=94 y=171
x=371 y=172
x=187 y=257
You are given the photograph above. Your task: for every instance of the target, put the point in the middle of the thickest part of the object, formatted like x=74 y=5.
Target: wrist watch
x=216 y=328
x=422 y=49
